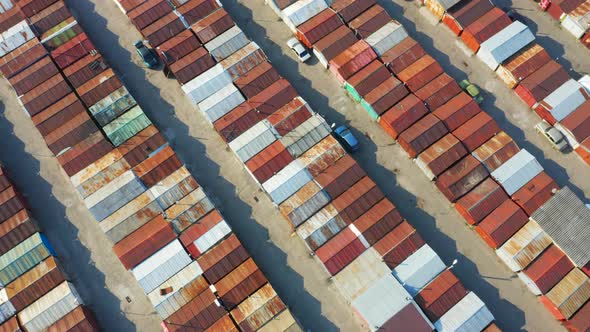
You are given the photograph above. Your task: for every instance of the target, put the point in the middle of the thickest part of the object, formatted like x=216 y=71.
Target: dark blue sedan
x=149 y=57
x=346 y=138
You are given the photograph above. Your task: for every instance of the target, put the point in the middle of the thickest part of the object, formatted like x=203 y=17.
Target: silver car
x=301 y=52
x=554 y=136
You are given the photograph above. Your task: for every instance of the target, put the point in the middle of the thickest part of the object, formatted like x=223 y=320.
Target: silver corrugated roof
x=517 y=171
x=385 y=298
x=567 y=220
x=504 y=44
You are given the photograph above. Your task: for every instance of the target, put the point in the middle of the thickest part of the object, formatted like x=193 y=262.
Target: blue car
x=149 y=57
x=346 y=138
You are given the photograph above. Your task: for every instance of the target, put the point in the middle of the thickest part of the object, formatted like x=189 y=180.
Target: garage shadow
x=508 y=315
x=51 y=215
x=188 y=145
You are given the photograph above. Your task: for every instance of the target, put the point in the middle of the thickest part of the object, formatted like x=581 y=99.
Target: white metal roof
x=221 y=102
x=517 y=171
x=152 y=262
x=361 y=274
x=207 y=83
x=565 y=99
x=381 y=301
x=109 y=188
x=387 y=37
x=469 y=315
x=287 y=181
x=302 y=10
x=14 y=37
x=585 y=81
x=419 y=269
x=179 y=280
x=504 y=44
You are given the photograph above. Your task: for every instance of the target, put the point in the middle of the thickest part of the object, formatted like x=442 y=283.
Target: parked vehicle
x=346 y=138
x=472 y=90
x=149 y=57
x=554 y=136
x=301 y=52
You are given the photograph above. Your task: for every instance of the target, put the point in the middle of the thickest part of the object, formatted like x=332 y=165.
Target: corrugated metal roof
x=304 y=203
x=243 y=60
x=254 y=140
x=14 y=37
x=517 y=171
x=221 y=102
x=302 y=10
x=176 y=282
x=50 y=308
x=111 y=106
x=287 y=181
x=504 y=44
x=361 y=274
x=96 y=182
x=565 y=99
x=212 y=236
x=546 y=271
x=496 y=151
x=419 y=269
x=316 y=221
x=306 y=135
x=585 y=81
x=119 y=197
x=250 y=307
x=322 y=155
x=126 y=125
x=570 y=293
x=470 y=314
x=161 y=266
x=524 y=246
x=207 y=83
x=567 y=220
x=22 y=257
x=109 y=188
x=577 y=21
x=7 y=310
x=381 y=301
x=282 y=322
x=387 y=37
x=96 y=167
x=227 y=43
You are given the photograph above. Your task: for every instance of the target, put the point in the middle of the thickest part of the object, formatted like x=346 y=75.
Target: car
x=512 y=14
x=345 y=137
x=472 y=90
x=299 y=50
x=554 y=136
x=149 y=57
